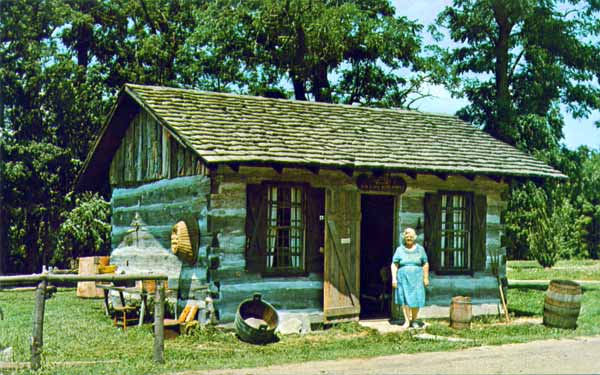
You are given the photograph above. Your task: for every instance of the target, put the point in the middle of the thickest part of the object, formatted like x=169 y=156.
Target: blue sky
x=577 y=131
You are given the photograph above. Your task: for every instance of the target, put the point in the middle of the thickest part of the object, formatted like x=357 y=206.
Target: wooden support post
x=37 y=337
x=159 y=315
x=503 y=300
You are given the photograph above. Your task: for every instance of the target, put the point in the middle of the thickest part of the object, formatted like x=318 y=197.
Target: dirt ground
x=572 y=356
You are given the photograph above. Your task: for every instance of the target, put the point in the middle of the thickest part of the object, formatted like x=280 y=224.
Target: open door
x=342 y=255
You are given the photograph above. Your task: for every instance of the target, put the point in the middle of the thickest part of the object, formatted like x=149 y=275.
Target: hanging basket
x=185 y=237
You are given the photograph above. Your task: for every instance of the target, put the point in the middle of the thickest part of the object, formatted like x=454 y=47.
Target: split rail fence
x=42 y=280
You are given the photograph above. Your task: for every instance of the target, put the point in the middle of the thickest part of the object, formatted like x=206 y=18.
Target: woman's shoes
x=415 y=324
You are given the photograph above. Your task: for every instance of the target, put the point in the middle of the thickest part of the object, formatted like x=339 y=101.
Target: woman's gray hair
x=414 y=232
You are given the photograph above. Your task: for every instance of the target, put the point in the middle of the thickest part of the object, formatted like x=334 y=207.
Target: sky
x=577 y=131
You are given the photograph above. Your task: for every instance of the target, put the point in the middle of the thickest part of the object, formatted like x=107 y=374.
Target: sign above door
x=384 y=183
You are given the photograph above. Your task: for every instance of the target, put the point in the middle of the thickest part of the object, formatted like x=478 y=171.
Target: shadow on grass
x=542 y=287
x=522 y=313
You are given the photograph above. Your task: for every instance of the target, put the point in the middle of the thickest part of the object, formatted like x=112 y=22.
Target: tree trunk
x=500 y=127
x=298 y=79
x=299 y=87
x=321 y=89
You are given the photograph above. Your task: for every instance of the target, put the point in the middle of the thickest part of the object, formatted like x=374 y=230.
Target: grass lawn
x=564 y=269
x=76 y=330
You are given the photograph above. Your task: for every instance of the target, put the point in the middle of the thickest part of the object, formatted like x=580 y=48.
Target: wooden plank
x=157 y=147
x=173 y=145
x=180 y=160
x=166 y=150
x=342 y=311
x=130 y=154
x=139 y=142
x=342 y=255
x=121 y=162
x=339 y=257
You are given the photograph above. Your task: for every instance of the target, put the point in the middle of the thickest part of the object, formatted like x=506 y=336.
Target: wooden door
x=342 y=255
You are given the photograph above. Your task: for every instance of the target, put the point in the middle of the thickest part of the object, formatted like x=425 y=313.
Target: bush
x=85 y=230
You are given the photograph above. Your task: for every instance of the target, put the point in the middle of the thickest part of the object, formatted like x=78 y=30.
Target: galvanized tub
x=256 y=321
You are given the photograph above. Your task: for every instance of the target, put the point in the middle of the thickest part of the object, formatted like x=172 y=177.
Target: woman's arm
x=394 y=273
x=426 y=274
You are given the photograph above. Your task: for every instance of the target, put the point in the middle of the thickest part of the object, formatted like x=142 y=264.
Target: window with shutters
x=285 y=229
x=455 y=236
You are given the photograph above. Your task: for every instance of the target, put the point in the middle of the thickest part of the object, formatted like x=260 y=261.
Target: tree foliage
x=85 y=230
x=518 y=60
x=331 y=51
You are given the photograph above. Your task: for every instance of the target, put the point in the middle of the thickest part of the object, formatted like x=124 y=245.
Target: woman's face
x=409 y=237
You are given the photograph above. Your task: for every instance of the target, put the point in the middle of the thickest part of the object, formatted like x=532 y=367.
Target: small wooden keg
x=184 y=240
x=562 y=304
x=461 y=312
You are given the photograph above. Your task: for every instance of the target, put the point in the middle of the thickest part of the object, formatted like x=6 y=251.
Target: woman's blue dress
x=410 y=290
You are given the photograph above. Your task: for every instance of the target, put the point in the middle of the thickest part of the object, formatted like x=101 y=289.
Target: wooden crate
x=89 y=266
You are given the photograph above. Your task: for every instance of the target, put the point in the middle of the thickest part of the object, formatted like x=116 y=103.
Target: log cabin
x=303 y=202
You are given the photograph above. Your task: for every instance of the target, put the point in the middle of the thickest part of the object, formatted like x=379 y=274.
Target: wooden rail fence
x=42 y=280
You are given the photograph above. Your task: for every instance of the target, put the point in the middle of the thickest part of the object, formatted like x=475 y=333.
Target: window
x=455 y=249
x=285 y=229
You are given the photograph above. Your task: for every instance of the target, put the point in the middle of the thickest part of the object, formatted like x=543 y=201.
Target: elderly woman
x=410 y=276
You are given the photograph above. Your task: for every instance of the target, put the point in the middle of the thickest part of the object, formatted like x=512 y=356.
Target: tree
x=307 y=42
x=518 y=62
x=521 y=59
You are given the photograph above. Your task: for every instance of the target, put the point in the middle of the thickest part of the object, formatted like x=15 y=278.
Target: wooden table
x=131 y=290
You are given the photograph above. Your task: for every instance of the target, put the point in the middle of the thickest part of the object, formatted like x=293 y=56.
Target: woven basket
x=184 y=240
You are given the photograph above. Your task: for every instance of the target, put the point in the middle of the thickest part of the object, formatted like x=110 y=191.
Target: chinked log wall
x=158 y=206
x=482 y=286
x=227 y=215
x=227 y=212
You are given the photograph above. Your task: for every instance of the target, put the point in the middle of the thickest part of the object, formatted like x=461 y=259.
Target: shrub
x=85 y=230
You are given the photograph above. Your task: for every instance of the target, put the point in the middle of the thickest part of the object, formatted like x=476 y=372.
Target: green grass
x=565 y=269
x=76 y=330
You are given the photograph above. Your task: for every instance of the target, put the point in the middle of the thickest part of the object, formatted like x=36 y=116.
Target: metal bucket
x=256 y=321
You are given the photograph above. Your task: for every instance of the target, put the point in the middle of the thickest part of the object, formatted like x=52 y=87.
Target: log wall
x=227 y=210
x=156 y=207
x=481 y=286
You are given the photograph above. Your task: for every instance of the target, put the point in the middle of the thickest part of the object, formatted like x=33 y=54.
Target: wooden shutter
x=315 y=230
x=432 y=229
x=256 y=227
x=479 y=232
x=342 y=255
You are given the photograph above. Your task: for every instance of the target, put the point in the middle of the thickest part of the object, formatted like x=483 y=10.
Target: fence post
x=159 y=315
x=37 y=337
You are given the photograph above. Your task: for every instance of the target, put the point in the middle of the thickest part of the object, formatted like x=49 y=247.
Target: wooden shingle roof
x=226 y=128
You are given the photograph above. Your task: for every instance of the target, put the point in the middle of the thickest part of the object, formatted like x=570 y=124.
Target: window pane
x=285 y=236
x=454 y=251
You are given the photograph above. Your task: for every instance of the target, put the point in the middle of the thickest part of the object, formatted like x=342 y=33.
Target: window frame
x=468 y=228
x=286 y=271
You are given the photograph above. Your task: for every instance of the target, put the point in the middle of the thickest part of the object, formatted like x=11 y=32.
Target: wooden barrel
x=184 y=240
x=461 y=312
x=256 y=321
x=562 y=304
